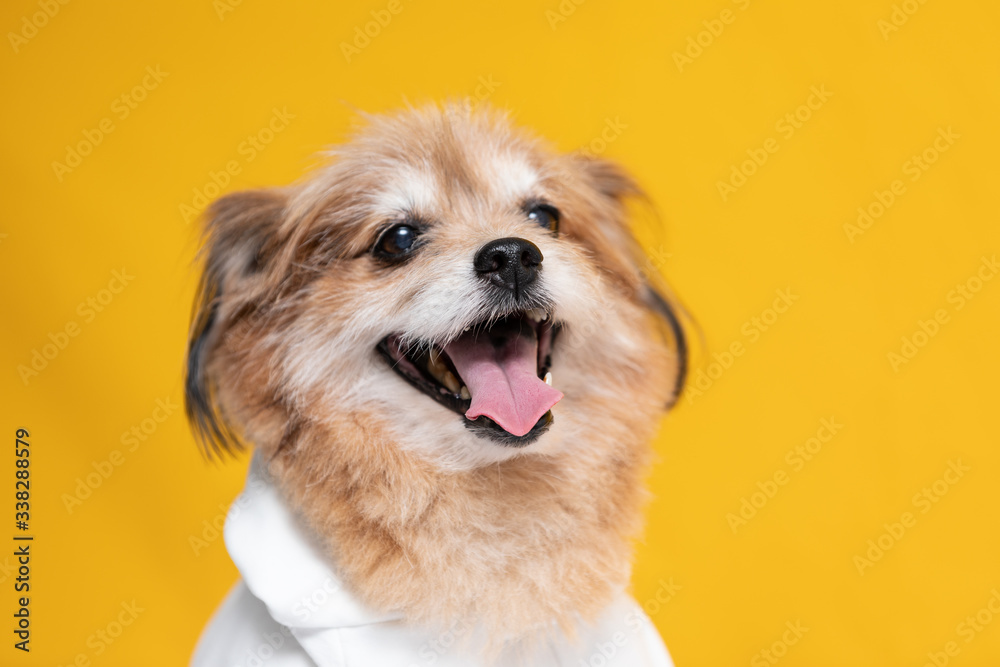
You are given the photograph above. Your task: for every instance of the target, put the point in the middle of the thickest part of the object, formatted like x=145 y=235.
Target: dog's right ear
x=241 y=240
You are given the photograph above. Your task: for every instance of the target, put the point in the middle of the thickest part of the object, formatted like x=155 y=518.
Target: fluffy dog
x=450 y=365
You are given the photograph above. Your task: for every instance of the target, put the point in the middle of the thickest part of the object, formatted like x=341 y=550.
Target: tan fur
x=435 y=528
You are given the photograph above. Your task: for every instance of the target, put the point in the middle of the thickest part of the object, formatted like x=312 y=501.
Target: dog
x=449 y=363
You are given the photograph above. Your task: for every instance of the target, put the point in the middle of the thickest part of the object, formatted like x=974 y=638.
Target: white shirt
x=291 y=610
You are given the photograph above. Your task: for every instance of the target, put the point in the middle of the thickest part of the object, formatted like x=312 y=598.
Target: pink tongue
x=503 y=380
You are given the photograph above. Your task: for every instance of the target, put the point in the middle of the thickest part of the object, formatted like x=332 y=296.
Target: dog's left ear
x=241 y=232
x=616 y=186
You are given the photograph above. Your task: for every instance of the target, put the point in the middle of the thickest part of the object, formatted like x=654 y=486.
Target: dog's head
x=446 y=282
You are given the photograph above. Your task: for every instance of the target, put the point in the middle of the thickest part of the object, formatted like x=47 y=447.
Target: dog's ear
x=608 y=178
x=616 y=186
x=240 y=240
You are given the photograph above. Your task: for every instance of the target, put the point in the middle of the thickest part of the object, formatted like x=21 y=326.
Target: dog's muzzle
x=495 y=373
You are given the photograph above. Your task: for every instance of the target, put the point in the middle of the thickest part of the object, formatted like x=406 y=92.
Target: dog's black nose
x=510 y=263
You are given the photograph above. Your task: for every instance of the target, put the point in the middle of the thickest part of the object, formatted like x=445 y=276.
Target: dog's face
x=447 y=284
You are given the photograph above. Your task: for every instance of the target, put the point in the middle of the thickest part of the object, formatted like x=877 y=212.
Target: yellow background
x=684 y=129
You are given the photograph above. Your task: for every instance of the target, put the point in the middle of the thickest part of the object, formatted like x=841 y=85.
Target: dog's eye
x=545 y=216
x=396 y=242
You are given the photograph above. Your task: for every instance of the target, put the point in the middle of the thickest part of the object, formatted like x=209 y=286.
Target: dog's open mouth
x=496 y=374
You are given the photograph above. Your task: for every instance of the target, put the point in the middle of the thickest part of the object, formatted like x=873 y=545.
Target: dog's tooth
x=548 y=378
x=466 y=328
x=436 y=366
x=464 y=393
x=449 y=380
x=536 y=314
x=434 y=363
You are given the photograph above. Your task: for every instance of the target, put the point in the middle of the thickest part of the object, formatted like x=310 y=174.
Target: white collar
x=283 y=565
